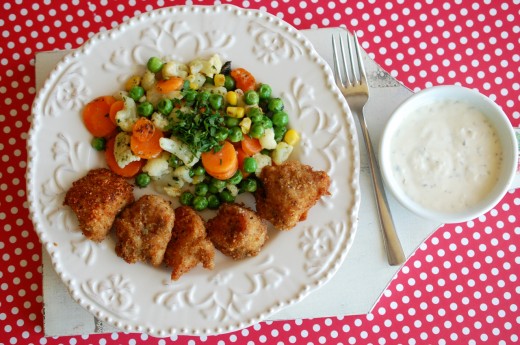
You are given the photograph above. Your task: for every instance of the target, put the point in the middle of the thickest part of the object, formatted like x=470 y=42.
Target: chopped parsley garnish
x=198 y=129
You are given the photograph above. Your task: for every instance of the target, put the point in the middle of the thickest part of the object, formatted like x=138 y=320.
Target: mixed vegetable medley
x=204 y=129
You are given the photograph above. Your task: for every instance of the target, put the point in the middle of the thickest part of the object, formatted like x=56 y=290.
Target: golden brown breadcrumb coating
x=189 y=244
x=288 y=191
x=96 y=199
x=144 y=229
x=237 y=231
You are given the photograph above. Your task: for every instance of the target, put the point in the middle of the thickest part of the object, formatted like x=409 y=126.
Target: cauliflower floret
x=174 y=69
x=122 y=152
x=267 y=140
x=208 y=67
x=174 y=187
x=220 y=90
x=120 y=94
x=157 y=167
x=160 y=121
x=196 y=80
x=154 y=96
x=127 y=116
x=281 y=153
x=179 y=149
x=183 y=173
x=148 y=80
x=262 y=161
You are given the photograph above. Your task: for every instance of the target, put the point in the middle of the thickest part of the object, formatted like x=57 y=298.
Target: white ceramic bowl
x=494 y=115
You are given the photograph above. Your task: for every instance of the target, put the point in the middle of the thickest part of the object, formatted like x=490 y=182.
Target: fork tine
x=337 y=72
x=343 y=58
x=354 y=79
x=361 y=67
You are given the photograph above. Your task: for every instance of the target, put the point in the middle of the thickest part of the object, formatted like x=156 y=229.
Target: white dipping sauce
x=446 y=156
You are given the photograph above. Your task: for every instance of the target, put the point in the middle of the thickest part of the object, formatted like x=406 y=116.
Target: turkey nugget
x=288 y=191
x=144 y=229
x=189 y=244
x=237 y=231
x=96 y=199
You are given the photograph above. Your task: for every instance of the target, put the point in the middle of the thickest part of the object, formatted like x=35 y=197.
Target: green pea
x=216 y=101
x=219 y=184
x=203 y=97
x=275 y=104
x=98 y=144
x=213 y=202
x=279 y=132
x=165 y=106
x=221 y=134
x=142 y=180
x=201 y=189
x=190 y=95
x=235 y=134
x=175 y=161
x=229 y=83
x=136 y=92
x=226 y=196
x=254 y=112
x=257 y=130
x=267 y=122
x=145 y=109
x=231 y=121
x=186 y=198
x=280 y=118
x=264 y=91
x=200 y=203
x=212 y=189
x=249 y=165
x=251 y=97
x=236 y=178
x=154 y=64
x=199 y=170
x=248 y=185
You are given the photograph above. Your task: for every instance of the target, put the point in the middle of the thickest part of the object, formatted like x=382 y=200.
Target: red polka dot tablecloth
x=460 y=287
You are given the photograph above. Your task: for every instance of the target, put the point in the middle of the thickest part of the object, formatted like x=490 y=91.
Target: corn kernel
x=245 y=125
x=291 y=137
x=237 y=112
x=219 y=79
x=134 y=80
x=232 y=97
x=194 y=85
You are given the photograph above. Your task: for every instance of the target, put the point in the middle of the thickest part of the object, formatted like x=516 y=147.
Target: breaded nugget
x=144 y=229
x=189 y=244
x=288 y=191
x=237 y=231
x=96 y=199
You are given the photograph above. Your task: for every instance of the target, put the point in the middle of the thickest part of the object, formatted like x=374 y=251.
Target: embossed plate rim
x=335 y=125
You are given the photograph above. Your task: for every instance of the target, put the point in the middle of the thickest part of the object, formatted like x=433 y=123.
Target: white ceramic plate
x=140 y=298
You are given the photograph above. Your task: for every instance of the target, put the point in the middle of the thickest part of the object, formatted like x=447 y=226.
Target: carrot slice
x=143 y=129
x=96 y=116
x=225 y=175
x=250 y=145
x=114 y=108
x=244 y=80
x=168 y=85
x=147 y=149
x=221 y=162
x=129 y=170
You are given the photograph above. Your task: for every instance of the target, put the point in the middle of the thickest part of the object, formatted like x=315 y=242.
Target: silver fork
x=356 y=91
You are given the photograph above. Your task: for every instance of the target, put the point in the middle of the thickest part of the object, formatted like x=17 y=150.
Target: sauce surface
x=446 y=156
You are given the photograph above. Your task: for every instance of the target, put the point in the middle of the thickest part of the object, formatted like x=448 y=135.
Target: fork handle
x=394 y=251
